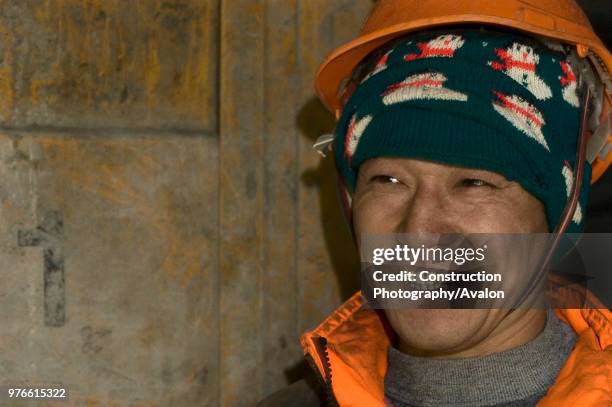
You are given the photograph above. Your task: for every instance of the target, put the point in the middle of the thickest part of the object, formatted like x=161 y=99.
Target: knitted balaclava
x=492 y=101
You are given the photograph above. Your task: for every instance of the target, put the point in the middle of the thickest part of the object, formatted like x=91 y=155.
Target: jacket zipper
x=321 y=348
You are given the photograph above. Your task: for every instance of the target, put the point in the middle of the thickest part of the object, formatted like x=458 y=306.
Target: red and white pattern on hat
x=380 y=66
x=569 y=84
x=421 y=86
x=568 y=174
x=523 y=115
x=442 y=46
x=353 y=134
x=520 y=62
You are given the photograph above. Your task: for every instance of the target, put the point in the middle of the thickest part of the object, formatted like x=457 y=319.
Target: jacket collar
x=349 y=349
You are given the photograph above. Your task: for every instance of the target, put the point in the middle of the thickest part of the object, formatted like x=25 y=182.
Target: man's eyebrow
x=380 y=165
x=481 y=171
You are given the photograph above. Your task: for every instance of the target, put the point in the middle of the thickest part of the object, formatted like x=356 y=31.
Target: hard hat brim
x=341 y=62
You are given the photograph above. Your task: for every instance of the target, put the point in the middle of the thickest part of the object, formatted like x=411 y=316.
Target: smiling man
x=444 y=128
x=401 y=195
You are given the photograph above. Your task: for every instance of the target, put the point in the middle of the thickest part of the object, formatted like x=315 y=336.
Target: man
x=448 y=127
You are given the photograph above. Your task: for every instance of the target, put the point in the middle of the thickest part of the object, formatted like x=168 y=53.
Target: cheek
x=487 y=218
x=515 y=214
x=377 y=213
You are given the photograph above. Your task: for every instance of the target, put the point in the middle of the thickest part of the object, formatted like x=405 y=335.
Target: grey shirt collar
x=516 y=374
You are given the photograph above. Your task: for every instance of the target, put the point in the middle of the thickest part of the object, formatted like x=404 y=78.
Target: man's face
x=399 y=195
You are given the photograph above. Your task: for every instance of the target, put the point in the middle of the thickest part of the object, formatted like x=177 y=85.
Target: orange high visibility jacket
x=349 y=350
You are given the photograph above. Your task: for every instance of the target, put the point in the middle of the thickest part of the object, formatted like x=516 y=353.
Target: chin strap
x=572 y=201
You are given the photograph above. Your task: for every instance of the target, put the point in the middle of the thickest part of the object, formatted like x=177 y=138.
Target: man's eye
x=475 y=182
x=384 y=179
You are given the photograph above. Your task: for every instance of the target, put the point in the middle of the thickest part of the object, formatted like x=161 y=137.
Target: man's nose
x=429 y=211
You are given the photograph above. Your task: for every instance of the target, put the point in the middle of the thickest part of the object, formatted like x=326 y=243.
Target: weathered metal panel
x=132 y=224
x=281 y=347
x=241 y=217
x=147 y=261
x=109 y=63
x=21 y=291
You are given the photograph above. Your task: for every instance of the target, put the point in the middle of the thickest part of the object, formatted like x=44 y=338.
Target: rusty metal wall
x=166 y=231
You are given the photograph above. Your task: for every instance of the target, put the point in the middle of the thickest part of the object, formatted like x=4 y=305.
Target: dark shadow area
x=600 y=15
x=314 y=120
x=298 y=371
x=599 y=210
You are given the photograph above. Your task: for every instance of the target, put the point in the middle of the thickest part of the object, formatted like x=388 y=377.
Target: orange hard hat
x=560 y=20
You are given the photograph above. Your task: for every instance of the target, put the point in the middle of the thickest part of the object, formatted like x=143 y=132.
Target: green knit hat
x=492 y=101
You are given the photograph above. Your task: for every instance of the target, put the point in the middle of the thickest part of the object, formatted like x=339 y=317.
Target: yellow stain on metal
x=6 y=78
x=152 y=71
x=100 y=46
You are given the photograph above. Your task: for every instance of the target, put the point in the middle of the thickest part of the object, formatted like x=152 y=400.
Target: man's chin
x=439 y=332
